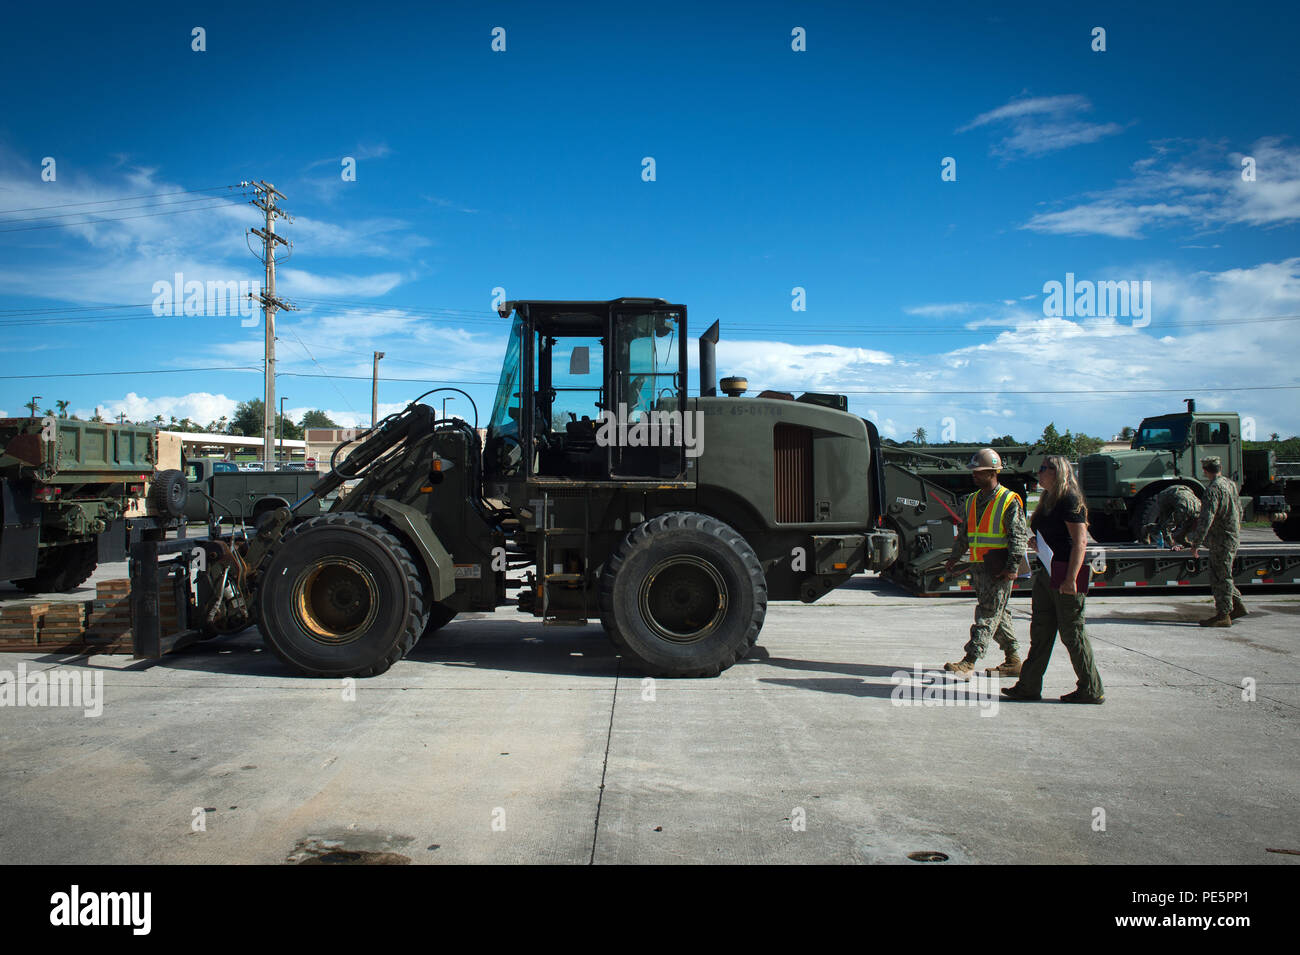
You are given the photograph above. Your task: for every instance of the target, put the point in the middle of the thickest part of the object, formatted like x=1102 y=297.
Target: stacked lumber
x=109 y=629
x=48 y=627
x=65 y=627
x=20 y=625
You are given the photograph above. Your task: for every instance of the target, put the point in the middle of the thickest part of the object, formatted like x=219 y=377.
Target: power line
x=147 y=371
x=217 y=204
x=100 y=202
x=146 y=205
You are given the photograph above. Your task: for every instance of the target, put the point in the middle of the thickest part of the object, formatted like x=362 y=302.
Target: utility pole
x=445 y=399
x=280 y=456
x=374 y=391
x=266 y=196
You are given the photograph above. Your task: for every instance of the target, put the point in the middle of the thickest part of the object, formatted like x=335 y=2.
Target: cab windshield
x=505 y=408
x=1161 y=433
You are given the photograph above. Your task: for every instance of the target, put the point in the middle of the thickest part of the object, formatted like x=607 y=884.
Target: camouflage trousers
x=1057 y=614
x=992 y=615
x=1175 y=527
x=1221 y=555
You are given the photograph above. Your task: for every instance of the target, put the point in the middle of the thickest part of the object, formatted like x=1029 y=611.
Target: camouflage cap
x=1212 y=462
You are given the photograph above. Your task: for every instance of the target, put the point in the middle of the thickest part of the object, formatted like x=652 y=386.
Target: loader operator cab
x=590 y=391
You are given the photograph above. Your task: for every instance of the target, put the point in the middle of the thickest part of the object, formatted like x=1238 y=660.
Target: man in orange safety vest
x=995 y=531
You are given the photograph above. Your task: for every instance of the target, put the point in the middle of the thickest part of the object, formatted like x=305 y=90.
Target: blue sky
x=775 y=169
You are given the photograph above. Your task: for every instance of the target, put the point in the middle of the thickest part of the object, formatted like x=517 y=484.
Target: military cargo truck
x=1121 y=486
x=75 y=493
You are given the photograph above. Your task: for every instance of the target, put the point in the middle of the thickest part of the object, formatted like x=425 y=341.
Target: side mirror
x=580 y=360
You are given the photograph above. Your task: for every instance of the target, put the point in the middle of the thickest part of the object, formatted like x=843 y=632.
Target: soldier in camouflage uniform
x=996 y=552
x=1179 y=508
x=1217 y=532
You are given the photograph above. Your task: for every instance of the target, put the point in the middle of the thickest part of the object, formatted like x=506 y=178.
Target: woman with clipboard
x=1060 y=528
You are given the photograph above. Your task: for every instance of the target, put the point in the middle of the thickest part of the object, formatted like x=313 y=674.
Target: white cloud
x=941 y=309
x=1195 y=185
x=201 y=407
x=1042 y=124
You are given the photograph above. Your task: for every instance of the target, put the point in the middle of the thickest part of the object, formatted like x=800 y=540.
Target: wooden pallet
x=102 y=625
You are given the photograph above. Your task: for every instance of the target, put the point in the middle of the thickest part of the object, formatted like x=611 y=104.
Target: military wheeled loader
x=672 y=519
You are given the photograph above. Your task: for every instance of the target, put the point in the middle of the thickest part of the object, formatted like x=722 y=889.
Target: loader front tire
x=341 y=597
x=683 y=595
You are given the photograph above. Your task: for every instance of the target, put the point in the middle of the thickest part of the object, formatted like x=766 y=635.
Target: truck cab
x=1121 y=486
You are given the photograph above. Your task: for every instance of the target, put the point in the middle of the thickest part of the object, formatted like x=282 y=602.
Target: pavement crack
x=1178 y=666
x=604 y=766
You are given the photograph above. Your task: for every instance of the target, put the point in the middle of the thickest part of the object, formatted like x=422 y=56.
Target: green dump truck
x=77 y=493
x=1121 y=486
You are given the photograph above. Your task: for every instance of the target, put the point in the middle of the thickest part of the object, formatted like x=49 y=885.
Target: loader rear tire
x=341 y=597
x=683 y=595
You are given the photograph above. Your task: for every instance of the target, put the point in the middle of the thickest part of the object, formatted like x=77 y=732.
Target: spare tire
x=167 y=493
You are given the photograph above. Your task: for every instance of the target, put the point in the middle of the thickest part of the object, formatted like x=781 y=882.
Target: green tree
x=1126 y=433
x=1087 y=444
x=63 y=408
x=248 y=417
x=32 y=406
x=317 y=419
x=919 y=436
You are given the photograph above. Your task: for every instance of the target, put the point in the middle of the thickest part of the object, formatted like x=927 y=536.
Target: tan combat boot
x=1008 y=667
x=1238 y=608
x=961 y=668
x=1218 y=620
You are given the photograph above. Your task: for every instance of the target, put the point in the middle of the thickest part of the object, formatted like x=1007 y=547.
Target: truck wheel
x=60 y=569
x=1105 y=529
x=683 y=595
x=167 y=493
x=439 y=616
x=341 y=596
x=1289 y=529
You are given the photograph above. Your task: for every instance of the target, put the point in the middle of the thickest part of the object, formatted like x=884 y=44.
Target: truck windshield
x=505 y=409
x=1161 y=433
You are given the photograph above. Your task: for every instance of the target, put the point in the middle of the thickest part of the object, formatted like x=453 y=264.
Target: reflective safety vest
x=985 y=532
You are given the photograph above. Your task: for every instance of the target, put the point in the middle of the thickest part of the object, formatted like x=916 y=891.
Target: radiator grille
x=793 y=472
x=1095 y=477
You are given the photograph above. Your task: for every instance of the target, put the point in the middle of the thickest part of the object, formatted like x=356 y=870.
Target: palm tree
x=1275 y=437
x=919 y=436
x=63 y=408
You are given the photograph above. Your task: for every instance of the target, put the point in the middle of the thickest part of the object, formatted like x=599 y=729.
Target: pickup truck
x=219 y=492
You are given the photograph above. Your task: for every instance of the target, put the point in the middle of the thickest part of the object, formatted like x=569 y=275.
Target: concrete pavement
x=504 y=741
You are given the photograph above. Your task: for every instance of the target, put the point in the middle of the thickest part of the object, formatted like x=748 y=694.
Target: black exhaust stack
x=709 y=362
x=1191 y=405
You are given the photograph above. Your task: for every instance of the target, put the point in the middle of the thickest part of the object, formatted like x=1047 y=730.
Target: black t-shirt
x=1054 y=527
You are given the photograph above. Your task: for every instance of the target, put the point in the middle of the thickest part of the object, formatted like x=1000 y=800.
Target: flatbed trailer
x=1119 y=568
x=925 y=515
